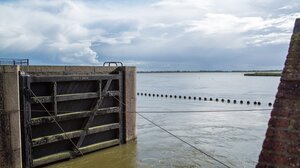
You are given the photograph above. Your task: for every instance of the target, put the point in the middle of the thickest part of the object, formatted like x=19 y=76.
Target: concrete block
x=10 y=117
x=105 y=70
x=89 y=69
x=130 y=101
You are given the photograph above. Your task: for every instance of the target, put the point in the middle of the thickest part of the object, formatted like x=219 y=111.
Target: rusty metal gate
x=67 y=116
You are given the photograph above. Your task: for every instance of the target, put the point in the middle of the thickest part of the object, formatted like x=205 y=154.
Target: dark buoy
x=199 y=98
x=153 y=95
x=258 y=103
x=248 y=102
x=205 y=98
x=270 y=104
x=157 y=95
x=241 y=102
x=149 y=94
x=189 y=97
x=255 y=103
x=161 y=95
x=195 y=98
x=138 y=93
x=228 y=101
x=145 y=94
x=210 y=99
x=179 y=97
x=222 y=100
x=171 y=96
x=166 y=95
x=142 y=94
x=234 y=101
x=175 y=96
x=217 y=99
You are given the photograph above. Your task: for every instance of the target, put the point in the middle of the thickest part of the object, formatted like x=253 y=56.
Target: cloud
x=152 y=33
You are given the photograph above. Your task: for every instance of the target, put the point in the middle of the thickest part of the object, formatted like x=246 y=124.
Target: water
x=234 y=138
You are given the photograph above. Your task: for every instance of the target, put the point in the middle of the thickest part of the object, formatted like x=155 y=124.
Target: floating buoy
x=199 y=98
x=270 y=104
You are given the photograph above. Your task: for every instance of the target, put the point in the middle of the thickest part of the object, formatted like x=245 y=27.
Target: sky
x=150 y=34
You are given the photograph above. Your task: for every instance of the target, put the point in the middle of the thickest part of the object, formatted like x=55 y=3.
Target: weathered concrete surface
x=10 y=131
x=281 y=147
x=130 y=101
x=67 y=70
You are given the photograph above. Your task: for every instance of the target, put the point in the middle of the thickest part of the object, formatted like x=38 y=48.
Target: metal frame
x=28 y=99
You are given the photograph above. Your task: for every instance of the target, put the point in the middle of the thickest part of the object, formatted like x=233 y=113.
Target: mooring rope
x=170 y=133
x=53 y=118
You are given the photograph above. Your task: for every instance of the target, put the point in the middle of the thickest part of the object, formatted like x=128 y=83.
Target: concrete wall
x=10 y=131
x=281 y=147
x=130 y=101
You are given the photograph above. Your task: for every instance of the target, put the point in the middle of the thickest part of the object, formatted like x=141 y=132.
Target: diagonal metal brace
x=89 y=121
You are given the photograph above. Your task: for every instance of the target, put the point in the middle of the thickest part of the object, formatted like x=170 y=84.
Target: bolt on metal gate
x=67 y=116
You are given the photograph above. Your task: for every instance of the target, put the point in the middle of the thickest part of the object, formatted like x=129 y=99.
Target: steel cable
x=53 y=118
x=194 y=147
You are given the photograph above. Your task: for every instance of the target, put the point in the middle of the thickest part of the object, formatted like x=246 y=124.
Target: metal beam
x=69 y=154
x=70 y=78
x=69 y=97
x=72 y=134
x=89 y=121
x=73 y=115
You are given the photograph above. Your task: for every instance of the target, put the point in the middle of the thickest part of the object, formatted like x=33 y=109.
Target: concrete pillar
x=130 y=101
x=10 y=131
x=281 y=147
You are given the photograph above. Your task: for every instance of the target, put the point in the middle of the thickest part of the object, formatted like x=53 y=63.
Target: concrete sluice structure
x=54 y=113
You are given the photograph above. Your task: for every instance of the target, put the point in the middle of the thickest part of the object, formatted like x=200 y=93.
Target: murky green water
x=234 y=138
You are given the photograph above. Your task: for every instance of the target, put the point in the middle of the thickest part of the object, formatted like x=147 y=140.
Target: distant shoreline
x=247 y=72
x=263 y=74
